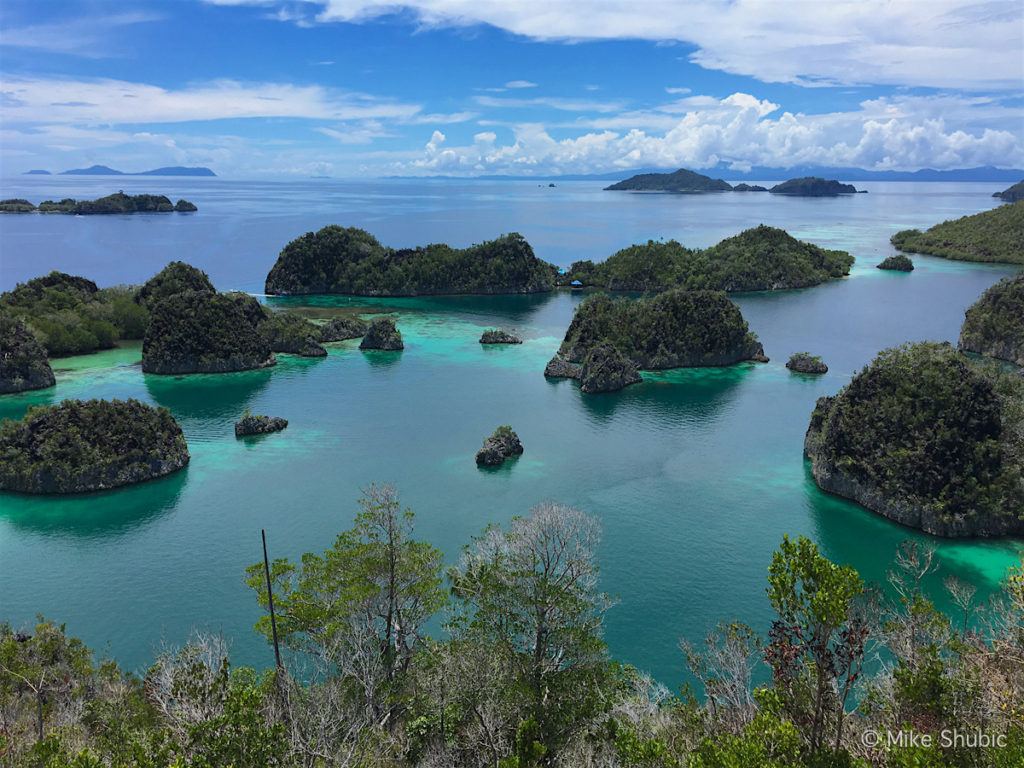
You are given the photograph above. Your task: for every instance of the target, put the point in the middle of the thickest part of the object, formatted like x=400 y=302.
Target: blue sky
x=269 y=88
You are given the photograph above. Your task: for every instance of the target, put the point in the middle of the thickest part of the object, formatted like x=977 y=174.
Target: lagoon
x=695 y=475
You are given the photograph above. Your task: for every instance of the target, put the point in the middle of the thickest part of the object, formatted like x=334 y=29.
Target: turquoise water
x=694 y=474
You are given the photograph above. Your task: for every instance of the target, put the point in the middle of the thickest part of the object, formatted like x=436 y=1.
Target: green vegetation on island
x=253 y=424
x=991 y=236
x=805 y=362
x=503 y=444
x=1008 y=195
x=16 y=205
x=92 y=445
x=23 y=363
x=674 y=329
x=292 y=334
x=71 y=316
x=813 y=186
x=681 y=181
x=203 y=332
x=343 y=328
x=897 y=263
x=758 y=259
x=118 y=202
x=177 y=277
x=749 y=188
x=994 y=324
x=351 y=261
x=928 y=438
x=499 y=336
x=514 y=671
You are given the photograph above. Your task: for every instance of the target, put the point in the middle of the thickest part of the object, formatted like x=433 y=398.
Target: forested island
x=351 y=261
x=23 y=363
x=992 y=236
x=994 y=324
x=897 y=263
x=80 y=446
x=674 y=329
x=118 y=202
x=1011 y=194
x=928 y=438
x=813 y=186
x=518 y=675
x=681 y=181
x=759 y=259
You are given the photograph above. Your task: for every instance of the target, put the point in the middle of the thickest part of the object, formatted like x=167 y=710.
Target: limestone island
x=343 y=328
x=674 y=329
x=251 y=424
x=805 y=362
x=177 y=277
x=382 y=334
x=292 y=334
x=16 y=205
x=1008 y=195
x=23 y=363
x=813 y=186
x=71 y=316
x=92 y=445
x=991 y=236
x=928 y=438
x=606 y=369
x=203 y=332
x=758 y=259
x=897 y=263
x=351 y=261
x=749 y=188
x=498 y=336
x=118 y=202
x=679 y=182
x=994 y=324
x=501 y=445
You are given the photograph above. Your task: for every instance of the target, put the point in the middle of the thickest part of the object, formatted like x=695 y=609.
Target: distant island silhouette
x=103 y=170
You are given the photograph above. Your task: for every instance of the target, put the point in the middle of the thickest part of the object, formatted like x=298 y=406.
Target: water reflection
x=208 y=397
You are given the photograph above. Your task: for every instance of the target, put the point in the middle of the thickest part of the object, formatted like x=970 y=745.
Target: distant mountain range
x=761 y=173
x=103 y=170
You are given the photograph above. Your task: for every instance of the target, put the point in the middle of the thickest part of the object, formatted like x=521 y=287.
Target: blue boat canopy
x=576 y=282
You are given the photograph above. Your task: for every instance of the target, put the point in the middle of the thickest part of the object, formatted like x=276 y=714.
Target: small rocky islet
x=994 y=325
x=926 y=437
x=805 y=362
x=253 y=424
x=118 y=202
x=23 y=363
x=382 y=334
x=896 y=263
x=499 y=336
x=501 y=445
x=79 y=446
x=673 y=329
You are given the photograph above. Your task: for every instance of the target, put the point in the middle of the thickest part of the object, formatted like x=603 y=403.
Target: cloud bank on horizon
x=467 y=87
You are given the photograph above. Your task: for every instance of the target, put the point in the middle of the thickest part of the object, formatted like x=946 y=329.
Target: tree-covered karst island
x=16 y=205
x=896 y=263
x=501 y=445
x=351 y=261
x=1011 y=194
x=71 y=316
x=928 y=438
x=499 y=336
x=292 y=334
x=749 y=188
x=680 y=182
x=759 y=259
x=23 y=363
x=383 y=334
x=203 y=332
x=254 y=424
x=813 y=186
x=674 y=329
x=177 y=277
x=92 y=445
x=989 y=236
x=805 y=362
x=994 y=324
x=118 y=202
x=343 y=328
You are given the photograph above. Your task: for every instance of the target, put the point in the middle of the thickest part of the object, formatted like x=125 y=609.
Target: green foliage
x=118 y=202
x=202 y=332
x=88 y=445
x=177 y=277
x=671 y=330
x=996 y=235
x=994 y=324
x=931 y=429
x=352 y=261
x=16 y=205
x=813 y=186
x=71 y=316
x=897 y=263
x=23 y=363
x=759 y=259
x=770 y=741
x=677 y=181
x=287 y=332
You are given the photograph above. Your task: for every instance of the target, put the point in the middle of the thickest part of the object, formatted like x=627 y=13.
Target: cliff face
x=201 y=332
x=352 y=261
x=927 y=439
x=81 y=446
x=23 y=363
x=994 y=324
